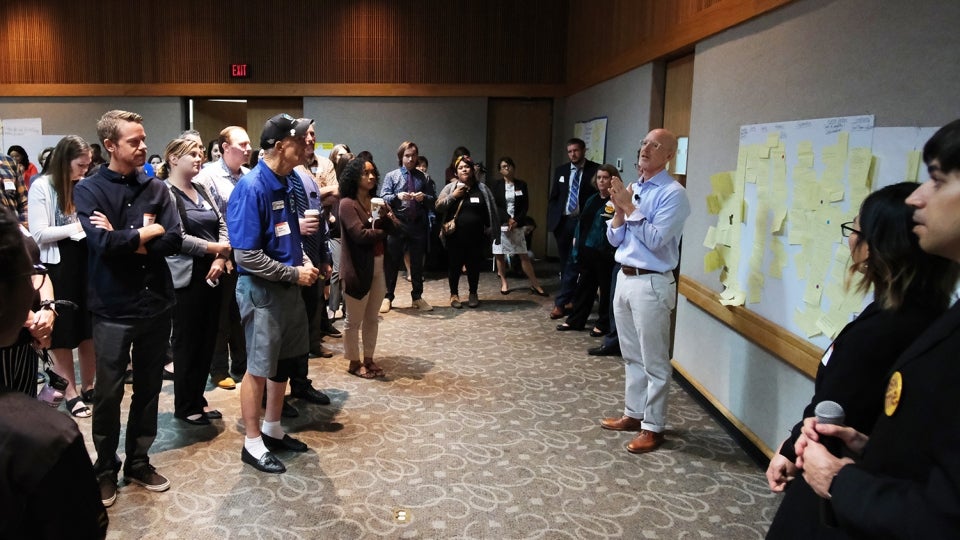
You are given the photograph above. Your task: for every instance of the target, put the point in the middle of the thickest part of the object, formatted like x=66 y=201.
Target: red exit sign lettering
x=239 y=71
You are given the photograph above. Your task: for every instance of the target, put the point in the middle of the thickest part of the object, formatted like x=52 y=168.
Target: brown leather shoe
x=624 y=423
x=556 y=313
x=645 y=441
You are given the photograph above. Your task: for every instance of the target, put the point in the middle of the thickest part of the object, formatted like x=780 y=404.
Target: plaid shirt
x=14 y=194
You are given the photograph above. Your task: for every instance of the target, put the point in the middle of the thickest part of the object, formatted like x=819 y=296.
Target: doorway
x=210 y=115
x=521 y=129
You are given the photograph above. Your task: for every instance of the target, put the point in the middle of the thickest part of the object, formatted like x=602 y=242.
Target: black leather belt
x=631 y=271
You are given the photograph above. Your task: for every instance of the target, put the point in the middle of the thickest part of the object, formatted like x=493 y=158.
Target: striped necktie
x=311 y=243
x=573 y=199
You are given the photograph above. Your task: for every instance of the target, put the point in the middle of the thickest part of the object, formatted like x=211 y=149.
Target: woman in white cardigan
x=63 y=249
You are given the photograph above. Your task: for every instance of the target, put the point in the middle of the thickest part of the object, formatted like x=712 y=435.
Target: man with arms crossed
x=412 y=196
x=905 y=481
x=131 y=225
x=265 y=235
x=645 y=229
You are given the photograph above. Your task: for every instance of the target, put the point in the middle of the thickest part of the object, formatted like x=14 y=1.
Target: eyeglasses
x=654 y=144
x=846 y=229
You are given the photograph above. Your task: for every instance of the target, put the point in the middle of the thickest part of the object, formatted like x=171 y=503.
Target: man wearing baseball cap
x=265 y=235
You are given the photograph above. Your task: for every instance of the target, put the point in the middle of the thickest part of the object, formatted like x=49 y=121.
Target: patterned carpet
x=485 y=427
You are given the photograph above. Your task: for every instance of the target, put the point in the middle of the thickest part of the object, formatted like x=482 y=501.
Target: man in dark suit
x=906 y=484
x=569 y=189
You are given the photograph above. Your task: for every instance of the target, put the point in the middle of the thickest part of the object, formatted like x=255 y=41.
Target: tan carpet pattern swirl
x=485 y=427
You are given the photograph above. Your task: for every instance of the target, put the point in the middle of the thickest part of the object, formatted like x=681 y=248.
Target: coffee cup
x=376 y=203
x=311 y=212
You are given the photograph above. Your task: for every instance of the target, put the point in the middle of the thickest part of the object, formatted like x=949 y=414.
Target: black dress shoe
x=331 y=331
x=566 y=328
x=597 y=333
x=286 y=443
x=213 y=414
x=310 y=394
x=268 y=463
x=289 y=411
x=604 y=350
x=202 y=420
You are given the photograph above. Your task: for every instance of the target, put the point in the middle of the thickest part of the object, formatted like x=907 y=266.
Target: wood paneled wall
x=615 y=36
x=500 y=42
x=353 y=47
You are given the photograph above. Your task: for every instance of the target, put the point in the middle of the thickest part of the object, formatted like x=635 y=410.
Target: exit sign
x=239 y=71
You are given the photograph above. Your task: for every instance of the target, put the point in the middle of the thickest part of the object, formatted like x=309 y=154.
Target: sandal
x=375 y=369
x=87 y=395
x=78 y=408
x=359 y=370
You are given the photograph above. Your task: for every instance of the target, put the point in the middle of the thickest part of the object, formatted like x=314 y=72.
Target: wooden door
x=521 y=129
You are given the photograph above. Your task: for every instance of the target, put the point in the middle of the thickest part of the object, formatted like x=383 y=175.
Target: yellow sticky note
x=779 y=260
x=722 y=184
x=710 y=241
x=732 y=297
x=913 y=166
x=773 y=139
x=712 y=261
x=779 y=216
x=807 y=321
x=713 y=204
x=813 y=294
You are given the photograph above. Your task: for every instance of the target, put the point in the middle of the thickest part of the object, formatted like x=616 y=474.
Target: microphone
x=829 y=412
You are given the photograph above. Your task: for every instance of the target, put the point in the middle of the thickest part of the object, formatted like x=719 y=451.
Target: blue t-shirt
x=261 y=214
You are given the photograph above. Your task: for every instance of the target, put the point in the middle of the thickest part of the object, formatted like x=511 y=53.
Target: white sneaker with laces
x=385 y=306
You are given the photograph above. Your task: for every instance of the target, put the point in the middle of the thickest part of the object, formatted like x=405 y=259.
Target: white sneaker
x=422 y=305
x=385 y=306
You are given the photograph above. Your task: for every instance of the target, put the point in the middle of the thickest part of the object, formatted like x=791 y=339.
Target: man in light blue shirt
x=646 y=229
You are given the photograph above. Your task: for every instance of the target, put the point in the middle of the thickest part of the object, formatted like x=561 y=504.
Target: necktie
x=573 y=198
x=409 y=205
x=311 y=244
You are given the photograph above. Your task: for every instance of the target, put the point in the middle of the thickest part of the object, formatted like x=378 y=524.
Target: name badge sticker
x=562 y=180
x=518 y=193
x=277 y=205
x=149 y=219
x=475 y=200
x=8 y=185
x=281 y=229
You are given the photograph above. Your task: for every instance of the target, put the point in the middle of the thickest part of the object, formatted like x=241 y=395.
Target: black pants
x=465 y=251
x=114 y=340
x=317 y=319
x=195 y=320
x=230 y=347
x=415 y=242
x=595 y=273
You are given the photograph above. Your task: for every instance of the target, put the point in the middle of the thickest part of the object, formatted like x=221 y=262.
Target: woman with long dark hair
x=63 y=249
x=363 y=236
x=910 y=290
x=196 y=273
x=471 y=206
